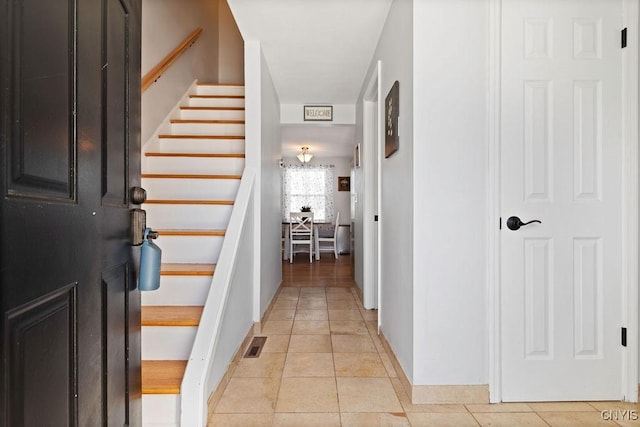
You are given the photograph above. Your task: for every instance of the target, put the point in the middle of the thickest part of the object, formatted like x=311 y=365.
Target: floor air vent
x=255 y=348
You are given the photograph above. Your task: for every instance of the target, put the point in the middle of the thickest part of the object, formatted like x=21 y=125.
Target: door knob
x=514 y=223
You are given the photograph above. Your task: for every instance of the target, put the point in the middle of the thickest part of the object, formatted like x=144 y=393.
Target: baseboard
x=436 y=394
x=257 y=327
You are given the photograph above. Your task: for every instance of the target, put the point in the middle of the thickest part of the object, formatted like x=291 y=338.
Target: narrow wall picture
x=344 y=183
x=392 y=112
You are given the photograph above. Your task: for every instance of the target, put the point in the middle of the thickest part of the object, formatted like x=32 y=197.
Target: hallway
x=323 y=364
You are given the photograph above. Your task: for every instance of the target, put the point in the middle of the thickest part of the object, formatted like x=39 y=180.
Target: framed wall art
x=344 y=183
x=392 y=112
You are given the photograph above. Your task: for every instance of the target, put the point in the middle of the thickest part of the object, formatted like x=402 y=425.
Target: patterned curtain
x=308 y=186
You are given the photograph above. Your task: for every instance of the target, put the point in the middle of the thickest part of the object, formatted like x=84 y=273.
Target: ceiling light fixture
x=305 y=157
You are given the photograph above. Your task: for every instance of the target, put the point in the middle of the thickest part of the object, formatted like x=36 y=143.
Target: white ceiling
x=318 y=52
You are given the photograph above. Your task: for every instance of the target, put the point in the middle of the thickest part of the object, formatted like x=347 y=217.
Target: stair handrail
x=194 y=394
x=157 y=71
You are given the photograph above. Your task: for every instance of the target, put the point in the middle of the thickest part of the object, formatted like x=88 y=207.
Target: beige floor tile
x=348 y=327
x=499 y=407
x=249 y=395
x=312 y=315
x=574 y=419
x=344 y=315
x=276 y=344
x=367 y=395
x=285 y=304
x=282 y=314
x=310 y=344
x=342 y=304
x=310 y=327
x=561 y=406
x=306 y=292
x=352 y=344
x=289 y=291
x=309 y=365
x=277 y=327
x=265 y=366
x=287 y=297
x=370 y=314
x=235 y=420
x=359 y=365
x=305 y=304
x=307 y=395
x=371 y=419
x=428 y=408
x=511 y=419
x=340 y=297
x=612 y=406
x=419 y=419
x=307 y=420
x=338 y=290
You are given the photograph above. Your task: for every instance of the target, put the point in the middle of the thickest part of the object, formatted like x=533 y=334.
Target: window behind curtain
x=308 y=186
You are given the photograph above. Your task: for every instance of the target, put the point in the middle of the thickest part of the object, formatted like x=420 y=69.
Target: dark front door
x=69 y=153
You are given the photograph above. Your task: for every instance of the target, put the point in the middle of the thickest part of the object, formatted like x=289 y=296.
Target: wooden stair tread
x=220 y=84
x=188 y=176
x=189 y=202
x=212 y=108
x=171 y=136
x=176 y=232
x=162 y=376
x=178 y=269
x=218 y=96
x=221 y=155
x=171 y=315
x=199 y=121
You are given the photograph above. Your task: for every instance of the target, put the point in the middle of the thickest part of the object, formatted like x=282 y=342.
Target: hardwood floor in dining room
x=326 y=272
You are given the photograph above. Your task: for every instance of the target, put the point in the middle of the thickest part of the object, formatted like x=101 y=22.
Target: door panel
x=560 y=163
x=70 y=308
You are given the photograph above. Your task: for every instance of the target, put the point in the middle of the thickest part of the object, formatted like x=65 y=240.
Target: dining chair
x=332 y=245
x=301 y=232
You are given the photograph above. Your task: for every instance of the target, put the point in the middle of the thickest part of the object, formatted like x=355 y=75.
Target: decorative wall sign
x=392 y=112
x=318 y=113
x=344 y=183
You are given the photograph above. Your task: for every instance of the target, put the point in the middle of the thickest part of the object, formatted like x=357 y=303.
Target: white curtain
x=308 y=186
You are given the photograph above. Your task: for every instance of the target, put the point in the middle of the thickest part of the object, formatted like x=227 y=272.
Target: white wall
x=342 y=167
x=395 y=50
x=230 y=48
x=262 y=147
x=450 y=189
x=165 y=24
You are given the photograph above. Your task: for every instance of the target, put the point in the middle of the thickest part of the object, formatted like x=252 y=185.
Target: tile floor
x=324 y=365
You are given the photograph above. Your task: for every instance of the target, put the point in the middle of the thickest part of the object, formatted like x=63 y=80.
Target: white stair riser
x=188 y=145
x=188 y=216
x=218 y=129
x=228 y=90
x=195 y=165
x=160 y=410
x=190 y=249
x=167 y=342
x=187 y=114
x=216 y=102
x=178 y=290
x=207 y=189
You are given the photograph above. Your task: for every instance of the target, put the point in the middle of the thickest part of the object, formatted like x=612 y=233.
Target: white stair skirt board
x=160 y=410
x=190 y=249
x=216 y=102
x=197 y=128
x=195 y=165
x=167 y=342
x=188 y=216
x=199 y=114
x=226 y=90
x=200 y=145
x=178 y=290
x=193 y=189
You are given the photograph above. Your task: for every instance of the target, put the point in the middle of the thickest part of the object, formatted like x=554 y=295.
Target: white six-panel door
x=561 y=133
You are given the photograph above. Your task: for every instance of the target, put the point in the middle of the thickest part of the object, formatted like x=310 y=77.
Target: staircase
x=191 y=174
